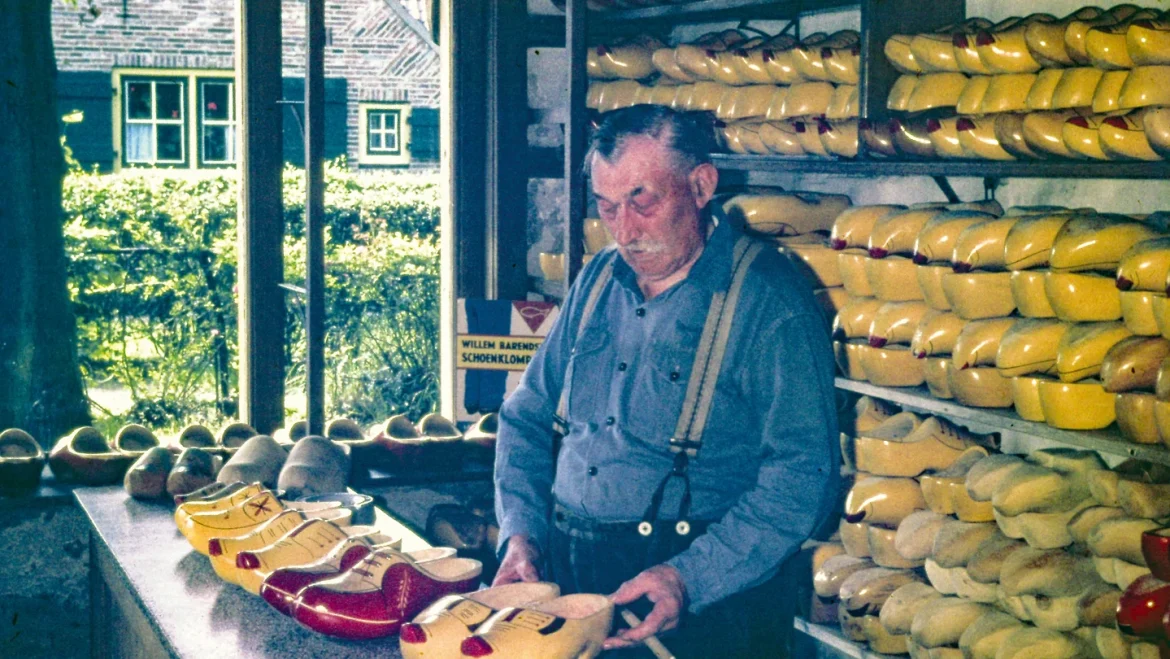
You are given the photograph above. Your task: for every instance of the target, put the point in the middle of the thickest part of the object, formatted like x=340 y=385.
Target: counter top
x=192 y=612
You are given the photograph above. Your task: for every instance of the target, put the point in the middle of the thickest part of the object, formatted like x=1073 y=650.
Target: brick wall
x=382 y=51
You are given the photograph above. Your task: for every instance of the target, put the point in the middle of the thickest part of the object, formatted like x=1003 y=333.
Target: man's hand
x=519 y=562
x=662 y=585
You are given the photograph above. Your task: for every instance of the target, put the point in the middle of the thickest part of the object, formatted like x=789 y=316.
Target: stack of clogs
x=1091 y=85
x=1143 y=276
x=771 y=94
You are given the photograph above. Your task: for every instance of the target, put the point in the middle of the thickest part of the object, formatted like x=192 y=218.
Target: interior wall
x=548 y=90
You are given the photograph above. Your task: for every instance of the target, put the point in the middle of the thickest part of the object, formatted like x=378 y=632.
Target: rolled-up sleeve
x=792 y=382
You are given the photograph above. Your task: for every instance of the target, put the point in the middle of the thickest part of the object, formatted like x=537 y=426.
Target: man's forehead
x=639 y=165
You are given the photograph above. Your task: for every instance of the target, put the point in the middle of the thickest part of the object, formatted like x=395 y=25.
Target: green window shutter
x=424 y=134
x=336 y=118
x=294 y=119
x=91 y=140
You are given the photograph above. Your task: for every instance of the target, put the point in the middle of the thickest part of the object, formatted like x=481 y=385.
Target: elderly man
x=675 y=437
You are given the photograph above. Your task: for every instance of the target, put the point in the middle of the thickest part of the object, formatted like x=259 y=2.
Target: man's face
x=652 y=209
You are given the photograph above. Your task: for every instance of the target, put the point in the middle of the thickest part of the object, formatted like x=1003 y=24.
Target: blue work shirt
x=768 y=467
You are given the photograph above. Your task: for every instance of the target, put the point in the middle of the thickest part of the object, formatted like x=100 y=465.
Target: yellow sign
x=495 y=353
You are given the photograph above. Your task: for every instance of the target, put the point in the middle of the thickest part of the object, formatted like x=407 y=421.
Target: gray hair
x=691 y=135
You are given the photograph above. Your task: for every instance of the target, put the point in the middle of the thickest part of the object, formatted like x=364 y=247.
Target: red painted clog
x=1156 y=551
x=1142 y=607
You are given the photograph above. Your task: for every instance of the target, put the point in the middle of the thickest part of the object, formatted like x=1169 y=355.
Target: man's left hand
x=662 y=585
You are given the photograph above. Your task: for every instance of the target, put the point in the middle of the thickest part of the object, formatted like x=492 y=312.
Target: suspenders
x=688 y=433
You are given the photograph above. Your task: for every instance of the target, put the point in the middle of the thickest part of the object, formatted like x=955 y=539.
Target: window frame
x=232 y=122
x=399 y=157
x=154 y=121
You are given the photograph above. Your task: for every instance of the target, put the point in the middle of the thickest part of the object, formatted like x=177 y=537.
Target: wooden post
x=261 y=216
x=575 y=142
x=315 y=213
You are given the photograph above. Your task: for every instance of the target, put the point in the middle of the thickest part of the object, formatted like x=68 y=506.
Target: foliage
x=153 y=271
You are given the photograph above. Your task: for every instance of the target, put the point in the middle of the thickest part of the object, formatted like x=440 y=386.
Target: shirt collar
x=710 y=273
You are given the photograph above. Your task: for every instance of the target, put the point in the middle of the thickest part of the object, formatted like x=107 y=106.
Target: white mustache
x=645 y=246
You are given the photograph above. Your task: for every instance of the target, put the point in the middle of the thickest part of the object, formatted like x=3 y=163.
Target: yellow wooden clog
x=807 y=99
x=752 y=64
x=1135 y=417
x=1136 y=364
x=1077 y=31
x=848 y=355
x=977 y=295
x=1009 y=132
x=1044 y=132
x=1029 y=295
x=936 y=90
x=981 y=246
x=806 y=57
x=978 y=342
x=934 y=52
x=722 y=66
x=237 y=498
x=1083 y=347
x=1007 y=92
x=893 y=279
x=897 y=448
x=937 y=239
x=963 y=39
x=1078 y=297
x=1044 y=89
x=697 y=59
x=844 y=104
x=1145 y=266
x=853 y=226
x=944 y=136
x=1137 y=311
x=810 y=141
x=930 y=282
x=1148 y=42
x=1123 y=137
x=851 y=265
x=1077 y=406
x=819 y=264
x=786 y=213
x=1081 y=134
x=1030 y=347
x=1146 y=86
x=568 y=626
x=1045 y=40
x=977 y=135
x=1107 y=97
x=631 y=60
x=1006 y=51
x=937 y=372
x=1106 y=47
x=1029 y=241
x=971 y=100
x=439 y=630
x=1026 y=397
x=896 y=322
x=911 y=137
x=897 y=233
x=780 y=138
x=892 y=366
x=840 y=138
x=981 y=387
x=945 y=491
x=1097 y=242
x=898 y=53
x=936 y=334
x=842 y=63
x=883 y=500
x=200 y=528
x=1076 y=88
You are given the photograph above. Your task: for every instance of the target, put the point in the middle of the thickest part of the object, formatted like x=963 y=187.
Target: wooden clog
x=86 y=458
x=569 y=626
x=147 y=477
x=21 y=462
x=440 y=628
x=315 y=465
x=259 y=459
x=195 y=468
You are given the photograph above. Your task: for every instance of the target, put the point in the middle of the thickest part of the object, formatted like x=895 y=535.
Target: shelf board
x=979 y=168
x=831 y=636
x=1108 y=441
x=714 y=10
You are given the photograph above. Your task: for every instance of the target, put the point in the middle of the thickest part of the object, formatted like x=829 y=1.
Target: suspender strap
x=560 y=422
x=688 y=434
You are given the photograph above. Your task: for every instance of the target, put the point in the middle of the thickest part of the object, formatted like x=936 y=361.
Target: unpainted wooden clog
x=896 y=449
x=983 y=637
x=1132 y=364
x=259 y=459
x=315 y=465
x=1135 y=417
x=193 y=469
x=86 y=458
x=945 y=491
x=943 y=622
x=792 y=212
x=21 y=462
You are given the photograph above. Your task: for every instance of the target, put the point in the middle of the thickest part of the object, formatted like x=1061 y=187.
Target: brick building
x=154 y=83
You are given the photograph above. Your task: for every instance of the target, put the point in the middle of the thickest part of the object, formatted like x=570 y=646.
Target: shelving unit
x=831 y=636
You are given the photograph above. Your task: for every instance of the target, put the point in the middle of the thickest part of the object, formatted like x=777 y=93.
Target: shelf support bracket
x=990 y=183
x=945 y=185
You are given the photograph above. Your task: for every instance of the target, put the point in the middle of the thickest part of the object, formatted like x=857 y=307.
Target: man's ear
x=703 y=180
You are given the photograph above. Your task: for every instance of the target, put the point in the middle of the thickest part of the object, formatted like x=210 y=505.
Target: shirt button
x=640 y=312
x=593 y=471
x=622 y=366
x=674 y=376
x=609 y=420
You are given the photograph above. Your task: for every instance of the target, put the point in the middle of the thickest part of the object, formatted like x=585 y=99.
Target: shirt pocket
x=657 y=392
x=590 y=364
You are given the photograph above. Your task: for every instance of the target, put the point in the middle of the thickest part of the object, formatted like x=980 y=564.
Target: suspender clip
x=685 y=447
x=680 y=464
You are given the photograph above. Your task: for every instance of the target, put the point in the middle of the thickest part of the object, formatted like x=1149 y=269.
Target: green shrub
x=153 y=273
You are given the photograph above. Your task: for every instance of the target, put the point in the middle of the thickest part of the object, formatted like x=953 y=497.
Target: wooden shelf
x=714 y=10
x=1108 y=441
x=978 y=168
x=831 y=636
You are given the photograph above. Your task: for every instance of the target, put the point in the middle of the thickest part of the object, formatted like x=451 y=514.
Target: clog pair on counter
x=21 y=462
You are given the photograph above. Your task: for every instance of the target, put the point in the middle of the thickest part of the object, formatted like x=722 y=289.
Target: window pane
x=216 y=103
x=138 y=100
x=170 y=100
x=139 y=138
x=375 y=140
x=217 y=144
x=170 y=142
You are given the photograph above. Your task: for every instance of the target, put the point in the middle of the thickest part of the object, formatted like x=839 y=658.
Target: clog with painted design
x=1076 y=32
x=780 y=138
x=839 y=138
x=882 y=500
x=853 y=226
x=1097 y=242
x=1106 y=47
x=977 y=135
x=977 y=295
x=897 y=233
x=1030 y=347
x=810 y=140
x=1029 y=295
x=981 y=387
x=944 y=136
x=200 y=528
x=844 y=103
x=978 y=342
x=1135 y=417
x=1137 y=311
x=794 y=212
x=807 y=99
x=1146 y=86
x=934 y=52
x=842 y=63
x=936 y=334
x=697 y=59
x=1145 y=266
x=1026 y=397
x=1007 y=92
x=930 y=282
x=848 y=355
x=981 y=245
x=750 y=64
x=723 y=69
x=1107 y=97
x=808 y=56
x=309 y=542
x=1080 y=297
x=569 y=626
x=1045 y=40
x=439 y=630
x=1029 y=241
x=1044 y=89
x=1133 y=364
x=893 y=279
x=1044 y=132
x=911 y=137
x=851 y=265
x=1006 y=50
x=900 y=93
x=895 y=323
x=877 y=137
x=936 y=90
x=896 y=449
x=899 y=55
x=779 y=61
x=235 y=498
x=223 y=551
x=945 y=491
x=1083 y=405
x=936 y=371
x=892 y=366
x=937 y=238
x=1081 y=134
x=1009 y=132
x=1148 y=41
x=1082 y=349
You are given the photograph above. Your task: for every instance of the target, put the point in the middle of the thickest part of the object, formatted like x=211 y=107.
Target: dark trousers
x=586 y=557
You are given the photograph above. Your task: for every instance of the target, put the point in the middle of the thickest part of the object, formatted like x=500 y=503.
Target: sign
x=495 y=353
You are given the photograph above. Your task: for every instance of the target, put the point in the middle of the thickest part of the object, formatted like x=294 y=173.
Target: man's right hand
x=520 y=561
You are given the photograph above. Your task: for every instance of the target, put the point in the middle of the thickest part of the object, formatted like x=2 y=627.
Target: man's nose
x=623 y=228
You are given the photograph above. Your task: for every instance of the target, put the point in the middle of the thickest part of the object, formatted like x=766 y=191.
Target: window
x=385 y=136
x=175 y=118
x=155 y=124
